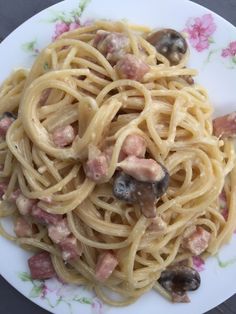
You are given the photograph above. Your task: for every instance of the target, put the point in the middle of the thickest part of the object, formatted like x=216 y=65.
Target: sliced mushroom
x=179 y=279
x=8 y=114
x=124 y=187
x=169 y=43
x=128 y=189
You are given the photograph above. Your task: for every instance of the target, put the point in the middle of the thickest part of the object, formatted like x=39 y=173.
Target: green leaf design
x=24 y=276
x=224 y=264
x=234 y=59
x=46 y=66
x=83 y=300
x=71 y=16
x=30 y=46
x=36 y=291
x=211 y=40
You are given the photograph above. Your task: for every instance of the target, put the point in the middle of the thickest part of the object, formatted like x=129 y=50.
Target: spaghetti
x=83 y=91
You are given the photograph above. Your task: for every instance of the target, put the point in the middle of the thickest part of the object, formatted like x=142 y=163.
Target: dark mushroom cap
x=128 y=189
x=9 y=115
x=169 y=43
x=124 y=187
x=179 y=279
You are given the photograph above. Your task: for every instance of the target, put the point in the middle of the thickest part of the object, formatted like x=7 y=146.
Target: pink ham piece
x=41 y=267
x=3 y=188
x=24 y=204
x=225 y=126
x=23 y=228
x=157 y=225
x=5 y=123
x=96 y=169
x=106 y=264
x=14 y=195
x=180 y=298
x=146 y=170
x=63 y=136
x=132 y=68
x=71 y=248
x=134 y=145
x=112 y=45
x=59 y=231
x=43 y=217
x=197 y=242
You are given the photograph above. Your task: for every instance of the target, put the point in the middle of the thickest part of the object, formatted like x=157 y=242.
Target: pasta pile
x=73 y=83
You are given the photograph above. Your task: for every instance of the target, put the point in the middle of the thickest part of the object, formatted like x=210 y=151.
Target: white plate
x=213 y=52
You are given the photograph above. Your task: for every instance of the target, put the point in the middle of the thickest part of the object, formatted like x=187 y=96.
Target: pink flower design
x=63 y=27
x=198 y=263
x=230 y=51
x=199 y=30
x=97 y=306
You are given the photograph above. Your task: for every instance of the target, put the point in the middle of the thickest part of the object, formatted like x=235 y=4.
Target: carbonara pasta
x=109 y=166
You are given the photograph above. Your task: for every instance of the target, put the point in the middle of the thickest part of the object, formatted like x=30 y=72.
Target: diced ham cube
x=46 y=199
x=96 y=169
x=63 y=136
x=157 y=225
x=5 y=122
x=106 y=264
x=197 y=242
x=112 y=45
x=59 y=231
x=109 y=151
x=14 y=195
x=134 y=145
x=44 y=217
x=71 y=248
x=24 y=204
x=44 y=96
x=41 y=266
x=23 y=228
x=146 y=170
x=225 y=126
x=132 y=68
x=3 y=188
x=180 y=298
x=223 y=205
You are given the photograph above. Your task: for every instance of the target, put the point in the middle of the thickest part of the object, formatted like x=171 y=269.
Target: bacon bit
x=225 y=126
x=180 y=298
x=96 y=169
x=109 y=151
x=71 y=248
x=112 y=45
x=24 y=204
x=46 y=199
x=59 y=231
x=106 y=264
x=3 y=188
x=63 y=136
x=44 y=217
x=197 y=242
x=5 y=123
x=146 y=170
x=44 y=96
x=223 y=205
x=131 y=67
x=157 y=225
x=23 y=228
x=14 y=195
x=134 y=145
x=198 y=263
x=41 y=266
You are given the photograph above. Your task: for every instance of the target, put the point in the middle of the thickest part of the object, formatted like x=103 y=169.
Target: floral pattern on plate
x=199 y=31
x=54 y=292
